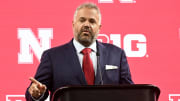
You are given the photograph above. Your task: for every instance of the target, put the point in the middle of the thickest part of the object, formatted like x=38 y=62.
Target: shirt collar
x=79 y=47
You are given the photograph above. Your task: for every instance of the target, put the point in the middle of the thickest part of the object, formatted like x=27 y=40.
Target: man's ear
x=73 y=23
x=100 y=26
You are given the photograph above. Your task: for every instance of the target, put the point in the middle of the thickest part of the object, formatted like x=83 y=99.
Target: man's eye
x=92 y=21
x=82 y=20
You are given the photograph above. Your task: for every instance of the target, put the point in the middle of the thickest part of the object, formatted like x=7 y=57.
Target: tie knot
x=86 y=50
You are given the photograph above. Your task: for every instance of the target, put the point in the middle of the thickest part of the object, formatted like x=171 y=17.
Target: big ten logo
x=174 y=97
x=133 y=44
x=15 y=98
x=121 y=1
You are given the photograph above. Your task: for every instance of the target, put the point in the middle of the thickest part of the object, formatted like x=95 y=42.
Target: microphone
x=98 y=66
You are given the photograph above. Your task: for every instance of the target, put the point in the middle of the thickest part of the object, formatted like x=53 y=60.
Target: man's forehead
x=87 y=13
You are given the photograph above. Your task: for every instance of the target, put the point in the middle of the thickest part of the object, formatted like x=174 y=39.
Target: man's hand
x=36 y=89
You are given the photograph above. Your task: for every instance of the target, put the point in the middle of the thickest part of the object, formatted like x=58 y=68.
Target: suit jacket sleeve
x=43 y=75
x=125 y=74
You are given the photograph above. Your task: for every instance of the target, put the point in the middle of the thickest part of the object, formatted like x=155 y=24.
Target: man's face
x=86 y=26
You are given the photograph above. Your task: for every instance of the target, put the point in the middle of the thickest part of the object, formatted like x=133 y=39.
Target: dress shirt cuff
x=35 y=99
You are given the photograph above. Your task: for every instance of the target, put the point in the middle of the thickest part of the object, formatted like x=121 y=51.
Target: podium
x=135 y=92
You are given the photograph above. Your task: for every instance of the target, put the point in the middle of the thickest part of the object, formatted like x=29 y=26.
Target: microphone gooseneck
x=98 y=66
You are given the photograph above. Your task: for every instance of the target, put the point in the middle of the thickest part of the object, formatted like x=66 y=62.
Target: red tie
x=88 y=66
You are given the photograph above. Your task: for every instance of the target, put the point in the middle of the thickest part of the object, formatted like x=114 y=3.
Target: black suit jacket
x=60 y=67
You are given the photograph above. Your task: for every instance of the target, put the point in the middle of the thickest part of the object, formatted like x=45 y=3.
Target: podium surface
x=135 y=92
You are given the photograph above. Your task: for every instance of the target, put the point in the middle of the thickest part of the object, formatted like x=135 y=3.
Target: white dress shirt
x=79 y=47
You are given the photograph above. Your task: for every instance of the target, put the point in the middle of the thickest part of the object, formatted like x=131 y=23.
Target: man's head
x=86 y=23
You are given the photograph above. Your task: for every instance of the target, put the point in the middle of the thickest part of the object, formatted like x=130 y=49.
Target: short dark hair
x=90 y=6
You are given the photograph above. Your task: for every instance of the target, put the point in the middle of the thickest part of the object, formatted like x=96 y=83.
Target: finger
x=36 y=94
x=34 y=80
x=33 y=90
x=42 y=88
x=39 y=85
x=30 y=90
x=36 y=91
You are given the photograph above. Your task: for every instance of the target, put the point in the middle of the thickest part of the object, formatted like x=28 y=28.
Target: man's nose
x=86 y=27
x=87 y=24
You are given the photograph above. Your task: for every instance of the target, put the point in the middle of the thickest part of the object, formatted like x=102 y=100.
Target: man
x=82 y=61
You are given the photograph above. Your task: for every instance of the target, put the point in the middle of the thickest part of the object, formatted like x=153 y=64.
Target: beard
x=86 y=36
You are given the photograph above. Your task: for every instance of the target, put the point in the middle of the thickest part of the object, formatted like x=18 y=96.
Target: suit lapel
x=102 y=61
x=76 y=67
x=75 y=64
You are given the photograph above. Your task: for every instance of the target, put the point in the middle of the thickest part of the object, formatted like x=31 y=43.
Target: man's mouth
x=86 y=33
